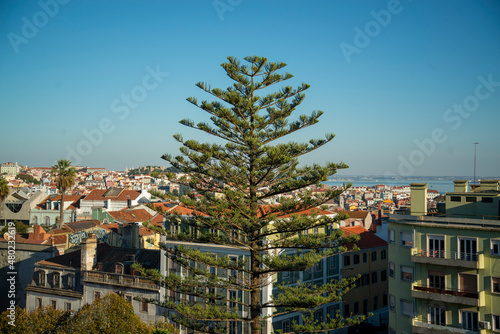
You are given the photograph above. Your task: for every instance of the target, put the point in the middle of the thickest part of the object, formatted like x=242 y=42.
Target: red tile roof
x=131 y=216
x=124 y=195
x=367 y=239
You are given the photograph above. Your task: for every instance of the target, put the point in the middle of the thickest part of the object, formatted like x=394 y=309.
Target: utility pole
x=474 y=182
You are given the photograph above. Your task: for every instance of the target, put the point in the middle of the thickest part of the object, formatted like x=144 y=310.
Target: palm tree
x=4 y=192
x=64 y=175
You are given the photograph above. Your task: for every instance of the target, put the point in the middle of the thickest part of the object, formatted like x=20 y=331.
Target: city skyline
x=407 y=87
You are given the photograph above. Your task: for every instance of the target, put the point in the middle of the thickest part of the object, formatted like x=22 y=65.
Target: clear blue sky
x=64 y=69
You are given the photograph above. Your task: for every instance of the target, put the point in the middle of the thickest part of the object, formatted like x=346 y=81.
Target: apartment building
x=444 y=270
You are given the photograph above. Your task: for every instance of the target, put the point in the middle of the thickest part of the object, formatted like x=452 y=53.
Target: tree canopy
x=255 y=198
x=65 y=175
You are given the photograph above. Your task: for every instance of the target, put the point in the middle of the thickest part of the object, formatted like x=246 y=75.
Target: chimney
x=485 y=185
x=89 y=252
x=461 y=186
x=418 y=199
x=380 y=213
x=135 y=235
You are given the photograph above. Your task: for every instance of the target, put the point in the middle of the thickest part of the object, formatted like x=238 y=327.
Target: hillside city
x=416 y=246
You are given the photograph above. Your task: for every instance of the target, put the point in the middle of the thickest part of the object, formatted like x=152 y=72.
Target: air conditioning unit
x=484 y=325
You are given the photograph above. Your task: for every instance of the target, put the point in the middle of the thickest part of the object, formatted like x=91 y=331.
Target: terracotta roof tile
x=367 y=239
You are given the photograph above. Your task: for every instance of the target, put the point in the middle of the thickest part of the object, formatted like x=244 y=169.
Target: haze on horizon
x=406 y=86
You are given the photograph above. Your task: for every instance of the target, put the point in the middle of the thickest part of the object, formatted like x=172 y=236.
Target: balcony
x=451 y=259
x=420 y=325
x=454 y=296
x=120 y=280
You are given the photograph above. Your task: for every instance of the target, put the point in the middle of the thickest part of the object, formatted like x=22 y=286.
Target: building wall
x=453 y=265
x=372 y=292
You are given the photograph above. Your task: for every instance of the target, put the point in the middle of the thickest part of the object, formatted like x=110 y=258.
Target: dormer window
x=56 y=279
x=119 y=268
x=71 y=281
x=41 y=278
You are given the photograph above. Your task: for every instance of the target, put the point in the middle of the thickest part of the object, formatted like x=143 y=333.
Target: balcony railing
x=448 y=258
x=421 y=325
x=119 y=279
x=448 y=255
x=452 y=292
x=455 y=296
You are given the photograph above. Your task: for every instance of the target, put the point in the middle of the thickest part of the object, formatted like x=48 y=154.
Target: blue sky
x=407 y=86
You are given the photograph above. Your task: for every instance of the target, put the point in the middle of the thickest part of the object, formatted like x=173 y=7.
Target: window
x=496 y=322
x=46 y=220
x=391 y=269
x=436 y=315
x=286 y=326
x=468 y=249
x=383 y=254
x=318 y=315
x=144 y=306
x=455 y=198
x=347 y=260
x=319 y=266
x=495 y=284
x=233 y=327
x=67 y=306
x=436 y=246
x=374 y=277
x=119 y=268
x=469 y=320
x=53 y=303
x=211 y=292
x=38 y=303
x=316 y=230
x=406 y=307
x=392 y=303
x=35 y=220
x=365 y=279
x=365 y=257
x=286 y=274
x=234 y=262
x=374 y=256
x=383 y=275
x=332 y=261
x=365 y=306
x=346 y=310
x=41 y=274
x=406 y=239
x=356 y=308
x=487 y=199
x=232 y=298
x=406 y=273
x=355 y=259
x=384 y=300
x=174 y=228
x=495 y=247
x=470 y=199
x=375 y=302
x=56 y=279
x=97 y=295
x=128 y=298
x=71 y=281
x=436 y=279
x=391 y=237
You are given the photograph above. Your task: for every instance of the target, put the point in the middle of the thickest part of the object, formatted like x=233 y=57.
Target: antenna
x=474 y=182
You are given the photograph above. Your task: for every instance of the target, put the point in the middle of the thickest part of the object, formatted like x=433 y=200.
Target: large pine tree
x=241 y=177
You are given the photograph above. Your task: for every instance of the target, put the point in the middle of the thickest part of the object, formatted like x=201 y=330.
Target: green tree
x=28 y=178
x=4 y=192
x=20 y=227
x=248 y=164
x=65 y=175
x=108 y=315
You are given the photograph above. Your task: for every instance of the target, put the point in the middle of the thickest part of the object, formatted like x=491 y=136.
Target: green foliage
x=28 y=178
x=19 y=226
x=109 y=315
x=65 y=176
x=248 y=165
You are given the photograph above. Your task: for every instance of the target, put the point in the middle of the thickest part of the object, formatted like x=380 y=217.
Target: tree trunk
x=61 y=209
